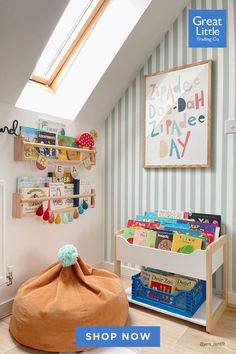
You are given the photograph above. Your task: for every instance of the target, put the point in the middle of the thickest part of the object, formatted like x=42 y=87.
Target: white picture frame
x=177 y=127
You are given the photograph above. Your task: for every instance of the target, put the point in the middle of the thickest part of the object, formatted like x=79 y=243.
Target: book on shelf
x=31 y=135
x=164 y=240
x=67 y=178
x=174 y=214
x=69 y=190
x=128 y=234
x=32 y=193
x=63 y=154
x=143 y=224
x=161 y=282
x=51 y=126
x=47 y=138
x=140 y=237
x=185 y=244
x=56 y=190
x=208 y=218
x=151 y=238
x=31 y=182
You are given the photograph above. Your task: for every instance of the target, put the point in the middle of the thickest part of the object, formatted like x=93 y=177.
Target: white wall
x=32 y=245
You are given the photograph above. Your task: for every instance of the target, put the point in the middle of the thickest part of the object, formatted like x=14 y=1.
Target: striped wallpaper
x=130 y=189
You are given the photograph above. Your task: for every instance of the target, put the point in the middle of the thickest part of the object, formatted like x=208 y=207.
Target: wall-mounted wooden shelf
x=19 y=144
x=18 y=201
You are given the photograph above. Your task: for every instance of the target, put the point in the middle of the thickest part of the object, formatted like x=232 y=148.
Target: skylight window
x=76 y=21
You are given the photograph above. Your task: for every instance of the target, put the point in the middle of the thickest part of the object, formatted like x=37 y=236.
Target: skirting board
x=6 y=308
x=128 y=272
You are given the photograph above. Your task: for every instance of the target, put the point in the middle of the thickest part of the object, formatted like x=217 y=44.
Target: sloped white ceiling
x=140 y=44
x=25 y=27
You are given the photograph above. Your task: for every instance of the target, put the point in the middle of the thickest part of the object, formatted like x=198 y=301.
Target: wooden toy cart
x=201 y=264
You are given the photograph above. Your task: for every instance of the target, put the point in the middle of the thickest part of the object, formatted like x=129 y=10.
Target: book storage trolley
x=200 y=264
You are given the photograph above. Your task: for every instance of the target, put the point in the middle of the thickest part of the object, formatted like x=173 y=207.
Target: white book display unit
x=201 y=264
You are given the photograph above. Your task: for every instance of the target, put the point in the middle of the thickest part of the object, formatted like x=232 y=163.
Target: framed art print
x=178 y=117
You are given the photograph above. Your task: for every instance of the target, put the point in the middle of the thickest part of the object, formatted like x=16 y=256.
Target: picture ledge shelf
x=18 y=201
x=19 y=144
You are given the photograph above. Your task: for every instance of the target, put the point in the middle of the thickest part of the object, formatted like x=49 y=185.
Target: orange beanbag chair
x=48 y=307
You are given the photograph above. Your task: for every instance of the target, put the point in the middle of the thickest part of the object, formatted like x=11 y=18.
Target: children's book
x=52 y=127
x=31 y=182
x=206 y=229
x=145 y=218
x=145 y=277
x=47 y=138
x=56 y=190
x=128 y=234
x=151 y=238
x=166 y=283
x=208 y=218
x=69 y=190
x=151 y=214
x=140 y=237
x=32 y=193
x=64 y=154
x=143 y=224
x=174 y=214
x=183 y=283
x=185 y=243
x=164 y=240
x=82 y=186
x=67 y=178
x=30 y=135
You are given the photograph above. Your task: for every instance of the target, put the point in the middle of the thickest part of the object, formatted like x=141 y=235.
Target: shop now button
x=139 y=336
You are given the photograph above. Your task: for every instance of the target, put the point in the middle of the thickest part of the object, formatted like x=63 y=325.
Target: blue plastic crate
x=184 y=303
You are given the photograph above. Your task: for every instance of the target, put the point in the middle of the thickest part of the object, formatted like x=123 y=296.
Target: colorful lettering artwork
x=177 y=117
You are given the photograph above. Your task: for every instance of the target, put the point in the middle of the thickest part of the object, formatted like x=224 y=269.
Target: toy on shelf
x=85 y=140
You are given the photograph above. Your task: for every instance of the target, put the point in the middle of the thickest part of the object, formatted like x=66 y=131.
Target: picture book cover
x=67 y=178
x=32 y=193
x=69 y=190
x=31 y=135
x=82 y=186
x=174 y=214
x=183 y=283
x=185 y=243
x=52 y=127
x=47 y=138
x=145 y=276
x=145 y=218
x=164 y=240
x=205 y=218
x=31 y=182
x=161 y=282
x=69 y=141
x=206 y=229
x=151 y=238
x=143 y=224
x=140 y=236
x=56 y=190
x=208 y=218
x=128 y=234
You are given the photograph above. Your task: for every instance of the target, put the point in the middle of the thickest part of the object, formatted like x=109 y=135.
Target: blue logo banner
x=118 y=336
x=207 y=28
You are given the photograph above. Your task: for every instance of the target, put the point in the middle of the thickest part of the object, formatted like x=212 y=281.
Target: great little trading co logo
x=207 y=28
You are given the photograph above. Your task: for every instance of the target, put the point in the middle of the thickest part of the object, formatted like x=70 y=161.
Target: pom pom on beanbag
x=85 y=140
x=67 y=255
